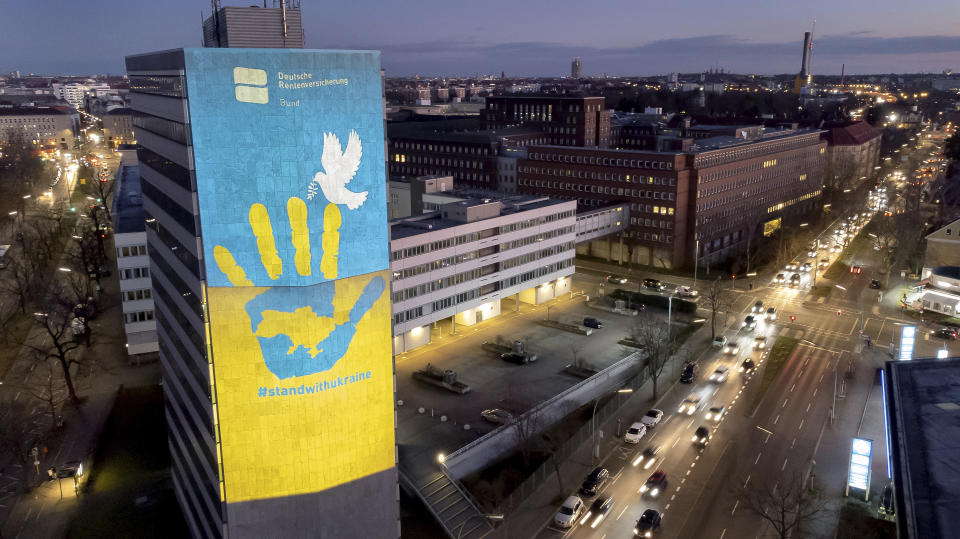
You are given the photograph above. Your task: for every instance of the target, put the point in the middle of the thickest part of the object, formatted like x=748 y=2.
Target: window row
x=132 y=250
x=140 y=316
x=134 y=295
x=134 y=273
x=602 y=161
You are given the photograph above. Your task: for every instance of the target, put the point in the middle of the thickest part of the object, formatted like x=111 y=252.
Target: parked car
x=690 y=404
x=647 y=524
x=747 y=366
x=701 y=436
x=720 y=375
x=635 y=433
x=513 y=357
x=654 y=284
x=716 y=412
x=592 y=323
x=648 y=458
x=749 y=323
x=719 y=341
x=689 y=373
x=686 y=292
x=617 y=279
x=599 y=510
x=569 y=512
x=496 y=415
x=594 y=481
x=656 y=483
x=652 y=418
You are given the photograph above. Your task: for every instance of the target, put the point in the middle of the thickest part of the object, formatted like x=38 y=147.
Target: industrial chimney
x=805 y=67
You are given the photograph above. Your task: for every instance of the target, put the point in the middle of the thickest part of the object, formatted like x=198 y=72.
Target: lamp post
x=696 y=261
x=593 y=424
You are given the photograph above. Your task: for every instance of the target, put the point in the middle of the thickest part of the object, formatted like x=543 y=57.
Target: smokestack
x=805 y=67
x=843 y=69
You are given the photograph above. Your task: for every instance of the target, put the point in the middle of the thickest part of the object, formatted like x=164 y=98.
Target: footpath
x=42 y=511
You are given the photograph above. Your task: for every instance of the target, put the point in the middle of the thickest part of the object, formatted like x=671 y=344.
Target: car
x=824 y=262
x=635 y=433
x=795 y=280
x=749 y=322
x=598 y=511
x=760 y=342
x=807 y=267
x=780 y=278
x=592 y=323
x=719 y=341
x=836 y=248
x=497 y=416
x=946 y=333
x=652 y=418
x=617 y=279
x=747 y=366
x=733 y=348
x=519 y=359
x=656 y=483
x=648 y=523
x=686 y=292
x=648 y=458
x=771 y=313
x=594 y=481
x=791 y=267
x=654 y=284
x=569 y=512
x=716 y=412
x=757 y=307
x=701 y=436
x=690 y=404
x=689 y=373
x=812 y=253
x=856 y=269
x=719 y=375
x=874 y=284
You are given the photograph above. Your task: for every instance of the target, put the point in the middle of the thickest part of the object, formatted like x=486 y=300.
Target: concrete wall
x=479 y=313
x=415 y=338
x=498 y=443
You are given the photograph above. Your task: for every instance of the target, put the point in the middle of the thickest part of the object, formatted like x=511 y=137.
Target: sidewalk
x=40 y=512
x=537 y=509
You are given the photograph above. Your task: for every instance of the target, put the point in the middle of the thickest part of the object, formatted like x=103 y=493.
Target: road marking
x=775 y=486
x=793 y=443
x=721 y=533
x=821 y=379
x=808 y=406
x=785 y=401
x=794 y=386
x=673 y=497
x=764 y=430
x=682 y=481
x=801 y=425
x=777 y=419
x=622 y=511
x=735 y=505
x=815 y=391
x=784 y=467
x=688 y=472
x=677 y=441
x=665 y=507
x=758 y=457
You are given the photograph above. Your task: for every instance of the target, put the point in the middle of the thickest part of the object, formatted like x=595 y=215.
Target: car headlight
x=647 y=534
x=694 y=438
x=654 y=492
x=649 y=464
x=740 y=369
x=709 y=415
x=636 y=531
x=643 y=488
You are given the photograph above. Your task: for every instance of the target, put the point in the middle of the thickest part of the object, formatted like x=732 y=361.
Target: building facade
x=460 y=262
x=133 y=266
x=853 y=150
x=255 y=26
x=565 y=120
x=118 y=127
x=267 y=321
x=51 y=127
x=75 y=92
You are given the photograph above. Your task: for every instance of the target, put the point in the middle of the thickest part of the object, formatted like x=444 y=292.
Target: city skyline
x=619 y=39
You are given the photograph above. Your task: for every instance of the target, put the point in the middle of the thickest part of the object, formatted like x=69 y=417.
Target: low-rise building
x=118 y=127
x=130 y=240
x=853 y=150
x=462 y=261
x=51 y=127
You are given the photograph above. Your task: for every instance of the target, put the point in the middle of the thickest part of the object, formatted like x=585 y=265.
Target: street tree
x=18 y=435
x=48 y=387
x=100 y=186
x=22 y=280
x=787 y=505
x=61 y=335
x=651 y=335
x=717 y=299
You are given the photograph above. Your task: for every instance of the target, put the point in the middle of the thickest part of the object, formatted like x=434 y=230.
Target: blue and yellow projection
x=288 y=150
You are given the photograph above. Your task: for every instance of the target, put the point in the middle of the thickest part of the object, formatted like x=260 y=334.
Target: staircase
x=450 y=505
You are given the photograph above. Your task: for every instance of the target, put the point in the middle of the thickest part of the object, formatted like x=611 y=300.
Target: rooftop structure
x=254 y=26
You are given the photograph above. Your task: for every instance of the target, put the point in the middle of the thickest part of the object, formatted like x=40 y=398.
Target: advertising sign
x=908 y=338
x=859 y=474
x=288 y=149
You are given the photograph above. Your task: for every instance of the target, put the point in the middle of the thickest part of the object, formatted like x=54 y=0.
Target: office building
x=133 y=266
x=270 y=281
x=76 y=92
x=466 y=259
x=576 y=69
x=921 y=405
x=118 y=127
x=254 y=26
x=51 y=127
x=565 y=120
x=710 y=198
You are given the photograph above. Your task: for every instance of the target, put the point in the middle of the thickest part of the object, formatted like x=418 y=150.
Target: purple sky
x=521 y=37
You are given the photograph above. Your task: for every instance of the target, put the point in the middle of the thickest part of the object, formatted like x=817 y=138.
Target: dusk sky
x=520 y=37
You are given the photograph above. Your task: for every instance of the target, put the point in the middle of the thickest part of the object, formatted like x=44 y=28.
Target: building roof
x=951 y=272
x=6 y=110
x=850 y=133
x=128 y=201
x=924 y=420
x=950 y=231
x=723 y=142
x=461 y=130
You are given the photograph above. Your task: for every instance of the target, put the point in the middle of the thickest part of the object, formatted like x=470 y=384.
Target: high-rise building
x=264 y=194
x=254 y=26
x=576 y=68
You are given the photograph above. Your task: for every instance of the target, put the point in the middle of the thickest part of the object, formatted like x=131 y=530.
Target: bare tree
x=651 y=335
x=527 y=427
x=18 y=435
x=22 y=280
x=62 y=334
x=717 y=299
x=788 y=506
x=46 y=385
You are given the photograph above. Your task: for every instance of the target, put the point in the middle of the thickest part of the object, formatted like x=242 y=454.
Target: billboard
x=858 y=474
x=908 y=339
x=288 y=150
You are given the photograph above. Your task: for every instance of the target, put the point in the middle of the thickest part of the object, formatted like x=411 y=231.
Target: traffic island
x=779 y=353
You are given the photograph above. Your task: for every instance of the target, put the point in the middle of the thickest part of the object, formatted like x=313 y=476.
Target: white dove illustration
x=338 y=169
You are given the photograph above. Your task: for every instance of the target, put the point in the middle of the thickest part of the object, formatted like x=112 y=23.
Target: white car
x=771 y=313
x=720 y=375
x=715 y=413
x=757 y=308
x=690 y=404
x=733 y=348
x=686 y=292
x=791 y=267
x=635 y=433
x=719 y=341
x=652 y=418
x=569 y=512
x=760 y=341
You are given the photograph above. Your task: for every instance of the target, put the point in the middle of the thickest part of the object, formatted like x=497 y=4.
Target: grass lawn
x=822 y=291
x=781 y=350
x=836 y=270
x=858 y=519
x=129 y=492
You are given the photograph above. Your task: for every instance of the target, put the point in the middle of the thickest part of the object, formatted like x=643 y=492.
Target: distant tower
x=803 y=79
x=576 y=68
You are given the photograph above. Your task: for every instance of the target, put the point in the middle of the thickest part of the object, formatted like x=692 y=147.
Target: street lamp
x=593 y=423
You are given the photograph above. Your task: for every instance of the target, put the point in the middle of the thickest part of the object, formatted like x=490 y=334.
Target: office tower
x=254 y=26
x=576 y=68
x=264 y=193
